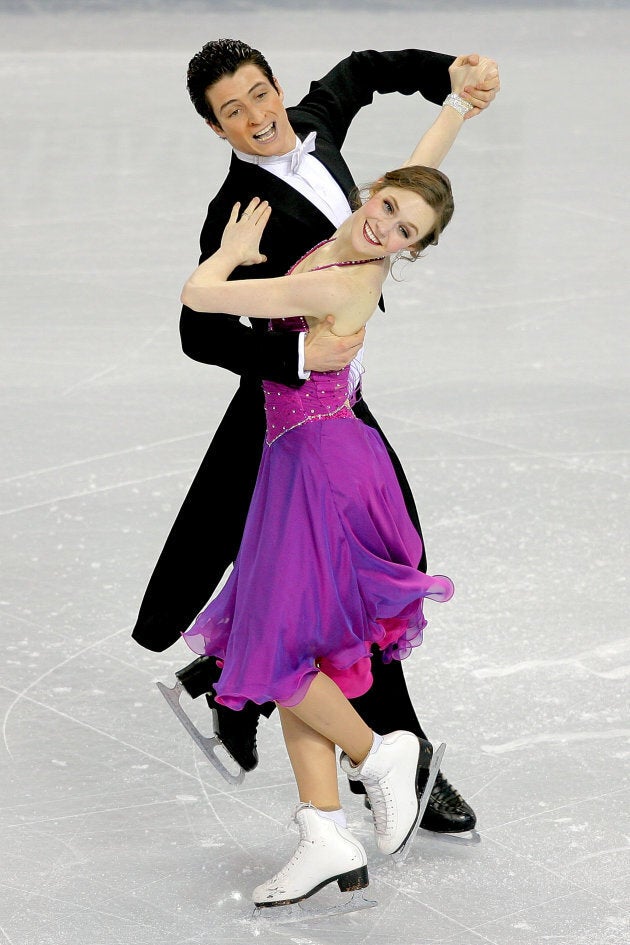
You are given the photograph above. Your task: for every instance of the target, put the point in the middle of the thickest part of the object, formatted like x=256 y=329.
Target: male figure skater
x=292 y=158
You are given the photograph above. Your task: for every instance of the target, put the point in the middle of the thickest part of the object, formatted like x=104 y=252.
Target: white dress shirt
x=308 y=176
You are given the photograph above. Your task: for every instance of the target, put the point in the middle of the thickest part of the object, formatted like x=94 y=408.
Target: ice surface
x=500 y=373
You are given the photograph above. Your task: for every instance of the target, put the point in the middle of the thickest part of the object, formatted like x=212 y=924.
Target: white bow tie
x=304 y=147
x=291 y=160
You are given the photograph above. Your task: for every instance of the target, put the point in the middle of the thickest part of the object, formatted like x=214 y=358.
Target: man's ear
x=278 y=89
x=218 y=130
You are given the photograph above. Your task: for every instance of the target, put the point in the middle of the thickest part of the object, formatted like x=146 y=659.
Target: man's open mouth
x=267 y=133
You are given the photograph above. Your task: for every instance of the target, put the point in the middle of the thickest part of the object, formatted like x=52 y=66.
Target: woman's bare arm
x=312 y=294
x=437 y=140
x=349 y=294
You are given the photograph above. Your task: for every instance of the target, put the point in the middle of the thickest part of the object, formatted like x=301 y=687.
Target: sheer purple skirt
x=327 y=567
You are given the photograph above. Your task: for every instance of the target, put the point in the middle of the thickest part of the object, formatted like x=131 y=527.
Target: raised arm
x=437 y=140
x=334 y=100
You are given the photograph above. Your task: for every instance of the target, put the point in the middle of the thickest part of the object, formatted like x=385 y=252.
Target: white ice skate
x=393 y=776
x=326 y=853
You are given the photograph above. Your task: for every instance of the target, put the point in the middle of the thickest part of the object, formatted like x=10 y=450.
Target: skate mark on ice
x=5 y=935
x=136 y=748
x=594 y=856
x=546 y=869
x=97 y=731
x=97 y=491
x=129 y=356
x=416 y=899
x=134 y=666
x=579 y=661
x=555 y=738
x=89 y=813
x=566 y=208
x=222 y=823
x=53 y=669
x=91 y=909
x=23 y=695
x=553 y=810
x=533 y=905
x=141 y=448
x=497 y=777
x=564 y=458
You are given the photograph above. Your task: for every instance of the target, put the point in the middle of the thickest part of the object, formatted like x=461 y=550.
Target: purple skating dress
x=328 y=560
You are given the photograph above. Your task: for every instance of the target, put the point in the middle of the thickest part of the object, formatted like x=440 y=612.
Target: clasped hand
x=241 y=236
x=476 y=79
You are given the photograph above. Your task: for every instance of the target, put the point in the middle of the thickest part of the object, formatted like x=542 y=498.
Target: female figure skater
x=328 y=561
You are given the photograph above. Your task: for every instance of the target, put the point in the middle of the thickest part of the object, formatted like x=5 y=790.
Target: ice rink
x=500 y=373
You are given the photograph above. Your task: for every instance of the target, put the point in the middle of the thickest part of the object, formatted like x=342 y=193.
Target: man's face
x=250 y=113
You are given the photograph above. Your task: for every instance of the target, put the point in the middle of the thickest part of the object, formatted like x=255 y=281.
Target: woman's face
x=391 y=220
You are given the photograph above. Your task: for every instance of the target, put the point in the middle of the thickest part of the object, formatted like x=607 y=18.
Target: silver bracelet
x=458 y=103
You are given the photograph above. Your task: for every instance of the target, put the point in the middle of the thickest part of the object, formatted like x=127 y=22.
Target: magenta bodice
x=322 y=397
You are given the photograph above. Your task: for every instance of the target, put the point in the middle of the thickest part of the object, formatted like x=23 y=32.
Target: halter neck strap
x=342 y=262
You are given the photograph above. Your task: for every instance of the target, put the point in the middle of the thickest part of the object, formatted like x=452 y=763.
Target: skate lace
x=445 y=795
x=302 y=846
x=382 y=804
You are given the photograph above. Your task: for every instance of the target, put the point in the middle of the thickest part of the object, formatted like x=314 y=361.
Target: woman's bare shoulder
x=359 y=291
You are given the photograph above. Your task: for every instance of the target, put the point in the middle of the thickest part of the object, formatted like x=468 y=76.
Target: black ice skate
x=198 y=679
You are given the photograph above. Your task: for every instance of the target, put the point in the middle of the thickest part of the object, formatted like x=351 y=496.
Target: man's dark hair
x=219 y=58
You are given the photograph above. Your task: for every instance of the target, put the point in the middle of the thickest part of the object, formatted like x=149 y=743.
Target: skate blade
x=401 y=855
x=469 y=839
x=207 y=744
x=308 y=910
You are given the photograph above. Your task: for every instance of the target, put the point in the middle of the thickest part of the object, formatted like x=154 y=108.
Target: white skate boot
x=326 y=853
x=390 y=776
